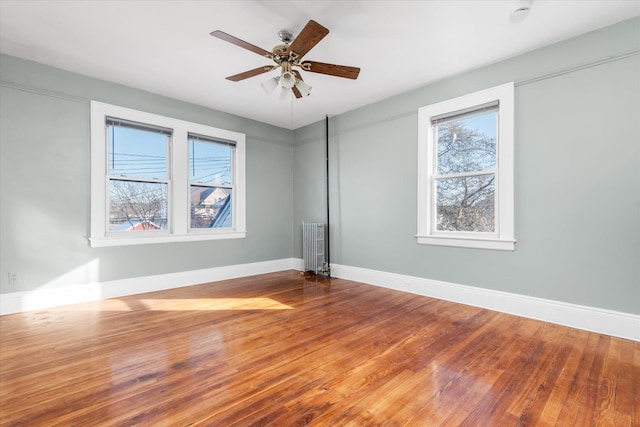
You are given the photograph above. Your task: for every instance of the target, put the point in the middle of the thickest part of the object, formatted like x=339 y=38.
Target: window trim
x=179 y=200
x=503 y=238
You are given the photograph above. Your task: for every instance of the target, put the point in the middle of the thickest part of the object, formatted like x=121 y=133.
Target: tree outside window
x=465 y=179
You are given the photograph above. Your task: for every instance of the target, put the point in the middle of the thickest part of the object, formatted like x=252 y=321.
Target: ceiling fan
x=288 y=55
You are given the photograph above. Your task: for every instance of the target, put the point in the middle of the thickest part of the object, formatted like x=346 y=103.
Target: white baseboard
x=38 y=299
x=298 y=264
x=618 y=324
x=608 y=322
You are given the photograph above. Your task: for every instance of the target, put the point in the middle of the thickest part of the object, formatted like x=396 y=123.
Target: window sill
x=464 y=242
x=128 y=240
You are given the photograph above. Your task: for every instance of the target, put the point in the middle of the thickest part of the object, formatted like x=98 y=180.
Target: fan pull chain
x=291 y=102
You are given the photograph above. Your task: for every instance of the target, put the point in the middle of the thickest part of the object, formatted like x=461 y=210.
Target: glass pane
x=136 y=153
x=211 y=207
x=209 y=163
x=466 y=204
x=137 y=206
x=467 y=144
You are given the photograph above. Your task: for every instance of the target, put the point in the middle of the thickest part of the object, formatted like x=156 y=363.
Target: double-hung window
x=465 y=168
x=137 y=176
x=157 y=179
x=211 y=182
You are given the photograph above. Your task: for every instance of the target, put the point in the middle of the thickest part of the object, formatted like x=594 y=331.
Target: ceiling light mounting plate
x=286 y=36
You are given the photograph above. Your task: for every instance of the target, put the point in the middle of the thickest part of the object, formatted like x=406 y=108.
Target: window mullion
x=180 y=181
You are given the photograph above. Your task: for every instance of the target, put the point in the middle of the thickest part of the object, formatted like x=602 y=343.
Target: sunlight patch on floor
x=208 y=304
x=177 y=304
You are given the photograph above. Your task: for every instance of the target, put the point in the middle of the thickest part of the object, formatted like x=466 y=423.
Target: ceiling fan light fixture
x=287 y=79
x=270 y=85
x=285 y=93
x=304 y=88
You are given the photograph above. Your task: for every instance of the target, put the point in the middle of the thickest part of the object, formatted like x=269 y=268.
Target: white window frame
x=503 y=238
x=179 y=197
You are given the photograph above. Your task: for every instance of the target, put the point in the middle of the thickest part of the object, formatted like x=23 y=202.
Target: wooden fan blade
x=331 y=69
x=243 y=44
x=310 y=36
x=294 y=89
x=250 y=73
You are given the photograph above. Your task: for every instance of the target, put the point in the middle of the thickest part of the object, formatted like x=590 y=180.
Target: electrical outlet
x=13 y=278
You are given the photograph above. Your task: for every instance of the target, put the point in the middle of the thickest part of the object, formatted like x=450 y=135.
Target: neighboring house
x=215 y=196
x=136 y=225
x=200 y=194
x=208 y=204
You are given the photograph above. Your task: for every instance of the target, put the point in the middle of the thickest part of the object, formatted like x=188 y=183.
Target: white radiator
x=313 y=247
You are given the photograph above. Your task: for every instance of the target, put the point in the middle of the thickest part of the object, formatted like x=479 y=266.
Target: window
x=137 y=175
x=465 y=171
x=156 y=179
x=210 y=181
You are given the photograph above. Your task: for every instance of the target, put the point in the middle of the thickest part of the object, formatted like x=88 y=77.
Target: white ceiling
x=164 y=46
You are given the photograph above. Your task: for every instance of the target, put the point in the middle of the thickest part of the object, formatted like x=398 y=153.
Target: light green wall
x=577 y=180
x=577 y=169
x=44 y=184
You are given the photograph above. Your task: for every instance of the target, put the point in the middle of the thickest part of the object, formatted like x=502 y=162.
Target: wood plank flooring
x=282 y=349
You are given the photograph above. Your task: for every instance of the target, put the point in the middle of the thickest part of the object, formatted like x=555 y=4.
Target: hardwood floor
x=284 y=350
